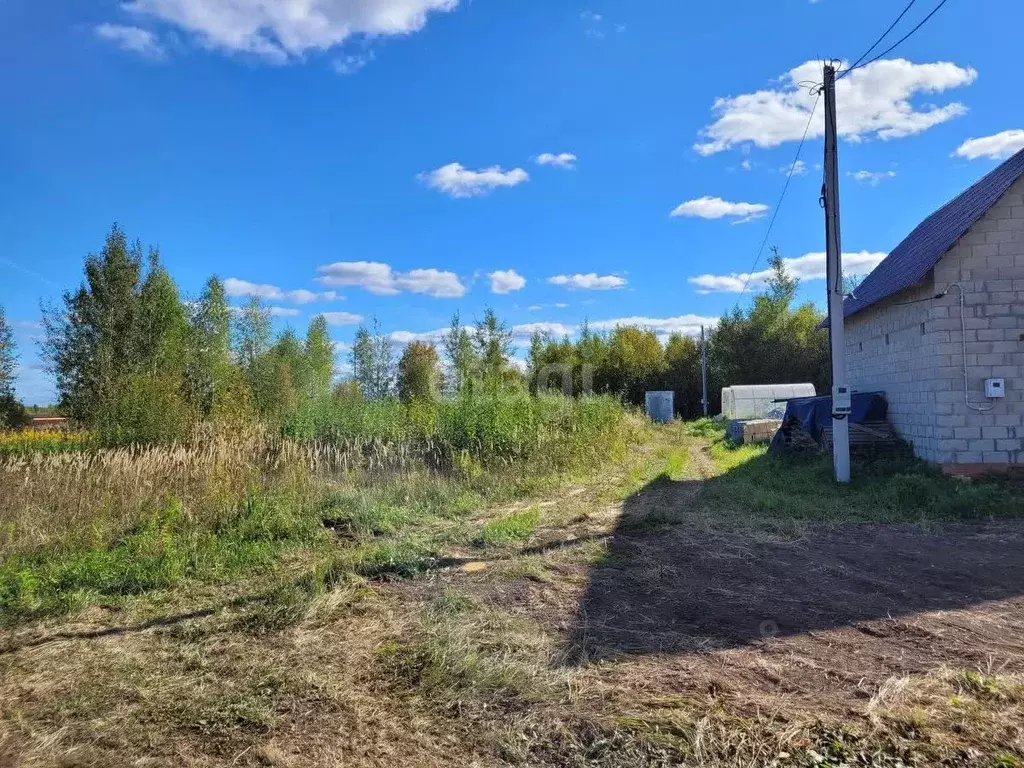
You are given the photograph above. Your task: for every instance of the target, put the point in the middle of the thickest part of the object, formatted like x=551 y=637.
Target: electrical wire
x=895 y=45
x=881 y=38
x=963 y=336
x=778 y=205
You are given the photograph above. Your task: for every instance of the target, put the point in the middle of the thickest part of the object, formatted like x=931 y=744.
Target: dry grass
x=84 y=498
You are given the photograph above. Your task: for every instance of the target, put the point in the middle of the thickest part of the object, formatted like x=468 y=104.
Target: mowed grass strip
x=753 y=486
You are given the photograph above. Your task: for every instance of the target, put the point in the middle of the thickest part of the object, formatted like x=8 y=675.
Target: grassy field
x=667 y=599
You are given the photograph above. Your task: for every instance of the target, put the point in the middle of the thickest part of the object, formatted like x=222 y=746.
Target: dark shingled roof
x=911 y=260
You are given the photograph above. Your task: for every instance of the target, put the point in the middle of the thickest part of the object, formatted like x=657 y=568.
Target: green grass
x=756 y=486
x=708 y=428
x=510 y=529
x=160 y=552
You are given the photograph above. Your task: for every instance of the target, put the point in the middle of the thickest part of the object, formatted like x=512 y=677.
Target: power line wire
x=881 y=38
x=778 y=205
x=895 y=45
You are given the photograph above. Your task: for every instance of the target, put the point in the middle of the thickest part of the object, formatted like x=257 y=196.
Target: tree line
x=134 y=360
x=772 y=341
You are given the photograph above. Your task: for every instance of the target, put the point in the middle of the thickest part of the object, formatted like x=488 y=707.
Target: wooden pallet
x=869 y=436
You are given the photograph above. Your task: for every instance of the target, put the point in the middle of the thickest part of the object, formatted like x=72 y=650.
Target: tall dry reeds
x=87 y=497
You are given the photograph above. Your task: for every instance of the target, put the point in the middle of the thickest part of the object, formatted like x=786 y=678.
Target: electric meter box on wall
x=995 y=388
x=842 y=401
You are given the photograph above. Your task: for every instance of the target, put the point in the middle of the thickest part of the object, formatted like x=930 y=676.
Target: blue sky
x=408 y=158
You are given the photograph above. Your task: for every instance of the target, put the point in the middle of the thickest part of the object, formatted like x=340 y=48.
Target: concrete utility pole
x=834 y=273
x=704 y=370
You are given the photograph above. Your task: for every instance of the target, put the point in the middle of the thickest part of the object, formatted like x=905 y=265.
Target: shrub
x=149 y=409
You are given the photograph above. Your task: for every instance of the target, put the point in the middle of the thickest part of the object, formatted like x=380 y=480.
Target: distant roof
x=911 y=260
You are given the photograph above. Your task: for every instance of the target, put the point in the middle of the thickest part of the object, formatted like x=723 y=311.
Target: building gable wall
x=911 y=346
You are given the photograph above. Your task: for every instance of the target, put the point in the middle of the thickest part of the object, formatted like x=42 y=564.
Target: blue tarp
x=813 y=414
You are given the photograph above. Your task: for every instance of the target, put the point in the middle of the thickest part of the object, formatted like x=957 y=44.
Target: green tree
x=553 y=365
x=162 y=323
x=277 y=393
x=8 y=356
x=419 y=372
x=92 y=342
x=592 y=352
x=253 y=338
x=209 y=369
x=12 y=413
x=372 y=363
x=492 y=341
x=319 y=352
x=683 y=374
x=253 y=334
x=770 y=342
x=535 y=357
x=462 y=362
x=635 y=362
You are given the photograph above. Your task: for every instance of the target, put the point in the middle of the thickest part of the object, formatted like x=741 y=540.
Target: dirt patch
x=837 y=625
x=818 y=623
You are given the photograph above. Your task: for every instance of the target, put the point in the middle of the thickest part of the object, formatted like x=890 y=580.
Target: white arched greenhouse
x=759 y=401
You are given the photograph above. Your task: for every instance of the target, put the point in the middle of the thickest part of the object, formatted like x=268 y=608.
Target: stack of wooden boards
x=869 y=436
x=866 y=438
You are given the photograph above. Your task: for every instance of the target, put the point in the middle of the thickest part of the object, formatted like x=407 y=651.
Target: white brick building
x=905 y=334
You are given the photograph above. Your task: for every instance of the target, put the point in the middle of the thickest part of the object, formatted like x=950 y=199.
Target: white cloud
x=372 y=276
x=876 y=102
x=565 y=160
x=235 y=287
x=342 y=318
x=557 y=330
x=685 y=324
x=285 y=30
x=799 y=168
x=997 y=147
x=588 y=282
x=283 y=312
x=506 y=281
x=341 y=347
x=717 y=208
x=872 y=177
x=431 y=282
x=302 y=296
x=134 y=39
x=456 y=180
x=352 y=63
x=810 y=266
x=596 y=26
x=378 y=278
x=426 y=337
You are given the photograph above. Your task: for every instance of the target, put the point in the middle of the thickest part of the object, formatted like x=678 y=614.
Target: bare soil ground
x=630 y=629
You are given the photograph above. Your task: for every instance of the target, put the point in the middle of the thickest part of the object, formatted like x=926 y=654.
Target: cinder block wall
x=910 y=346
